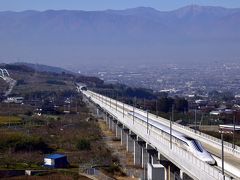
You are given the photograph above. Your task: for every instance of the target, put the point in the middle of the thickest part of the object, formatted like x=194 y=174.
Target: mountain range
x=75 y=39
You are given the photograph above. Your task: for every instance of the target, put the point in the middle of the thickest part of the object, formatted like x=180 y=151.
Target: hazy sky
x=19 y=5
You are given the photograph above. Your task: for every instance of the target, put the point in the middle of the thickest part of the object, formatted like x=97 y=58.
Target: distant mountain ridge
x=139 y=35
x=44 y=68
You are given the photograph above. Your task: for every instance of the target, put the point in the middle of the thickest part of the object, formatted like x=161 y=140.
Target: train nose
x=210 y=161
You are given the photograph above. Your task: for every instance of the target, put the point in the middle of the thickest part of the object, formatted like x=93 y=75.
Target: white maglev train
x=188 y=143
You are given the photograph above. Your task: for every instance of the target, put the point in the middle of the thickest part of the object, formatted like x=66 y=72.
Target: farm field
x=52 y=119
x=5 y=120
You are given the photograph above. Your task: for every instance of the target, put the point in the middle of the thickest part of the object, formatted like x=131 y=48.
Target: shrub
x=83 y=144
x=20 y=82
x=19 y=142
x=55 y=82
x=31 y=144
x=28 y=113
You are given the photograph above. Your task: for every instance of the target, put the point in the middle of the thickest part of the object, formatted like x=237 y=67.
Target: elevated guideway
x=160 y=141
x=6 y=77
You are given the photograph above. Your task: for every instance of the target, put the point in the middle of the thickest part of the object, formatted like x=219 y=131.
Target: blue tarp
x=55 y=156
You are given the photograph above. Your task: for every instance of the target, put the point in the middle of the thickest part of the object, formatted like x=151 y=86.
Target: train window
x=195 y=143
x=181 y=141
x=84 y=88
x=189 y=138
x=197 y=146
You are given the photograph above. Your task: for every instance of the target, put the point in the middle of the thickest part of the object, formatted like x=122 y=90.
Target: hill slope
x=44 y=68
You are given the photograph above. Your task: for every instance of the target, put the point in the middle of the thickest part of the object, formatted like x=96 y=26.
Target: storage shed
x=56 y=161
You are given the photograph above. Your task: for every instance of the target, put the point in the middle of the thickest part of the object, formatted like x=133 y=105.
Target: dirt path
x=125 y=158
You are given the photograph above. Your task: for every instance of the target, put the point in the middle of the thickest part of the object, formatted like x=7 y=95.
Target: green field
x=9 y=120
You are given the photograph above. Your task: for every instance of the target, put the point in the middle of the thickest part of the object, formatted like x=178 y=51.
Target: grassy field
x=4 y=120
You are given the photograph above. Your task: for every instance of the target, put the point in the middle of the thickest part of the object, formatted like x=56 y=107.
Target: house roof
x=55 y=156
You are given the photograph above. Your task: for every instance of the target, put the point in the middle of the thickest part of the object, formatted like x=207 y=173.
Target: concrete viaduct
x=151 y=147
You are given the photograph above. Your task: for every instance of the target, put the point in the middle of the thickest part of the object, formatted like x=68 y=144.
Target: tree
x=181 y=104
x=83 y=144
x=165 y=104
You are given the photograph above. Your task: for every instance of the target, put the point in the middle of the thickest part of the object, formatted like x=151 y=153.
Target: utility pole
x=173 y=112
x=234 y=122
x=171 y=121
x=156 y=109
x=107 y=101
x=69 y=106
x=133 y=114
x=116 y=100
x=134 y=104
x=8 y=116
x=104 y=99
x=147 y=123
x=170 y=132
x=200 y=124
x=123 y=109
x=144 y=104
x=222 y=131
x=195 y=129
x=76 y=107
x=110 y=102
x=222 y=156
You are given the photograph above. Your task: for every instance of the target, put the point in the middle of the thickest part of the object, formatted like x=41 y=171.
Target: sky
x=164 y=5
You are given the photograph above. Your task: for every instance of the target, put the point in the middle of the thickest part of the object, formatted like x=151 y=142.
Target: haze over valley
x=79 y=39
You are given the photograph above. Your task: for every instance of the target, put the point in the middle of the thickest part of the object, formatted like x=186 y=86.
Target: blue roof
x=55 y=156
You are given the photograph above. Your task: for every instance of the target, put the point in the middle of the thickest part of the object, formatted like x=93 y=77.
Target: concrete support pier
x=155 y=172
x=172 y=171
x=145 y=158
x=110 y=123
x=137 y=154
x=118 y=130
x=130 y=143
x=181 y=174
x=106 y=118
x=114 y=125
x=124 y=136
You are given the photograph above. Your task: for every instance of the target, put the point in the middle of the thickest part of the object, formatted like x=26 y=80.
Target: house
x=17 y=100
x=215 y=113
x=56 y=161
